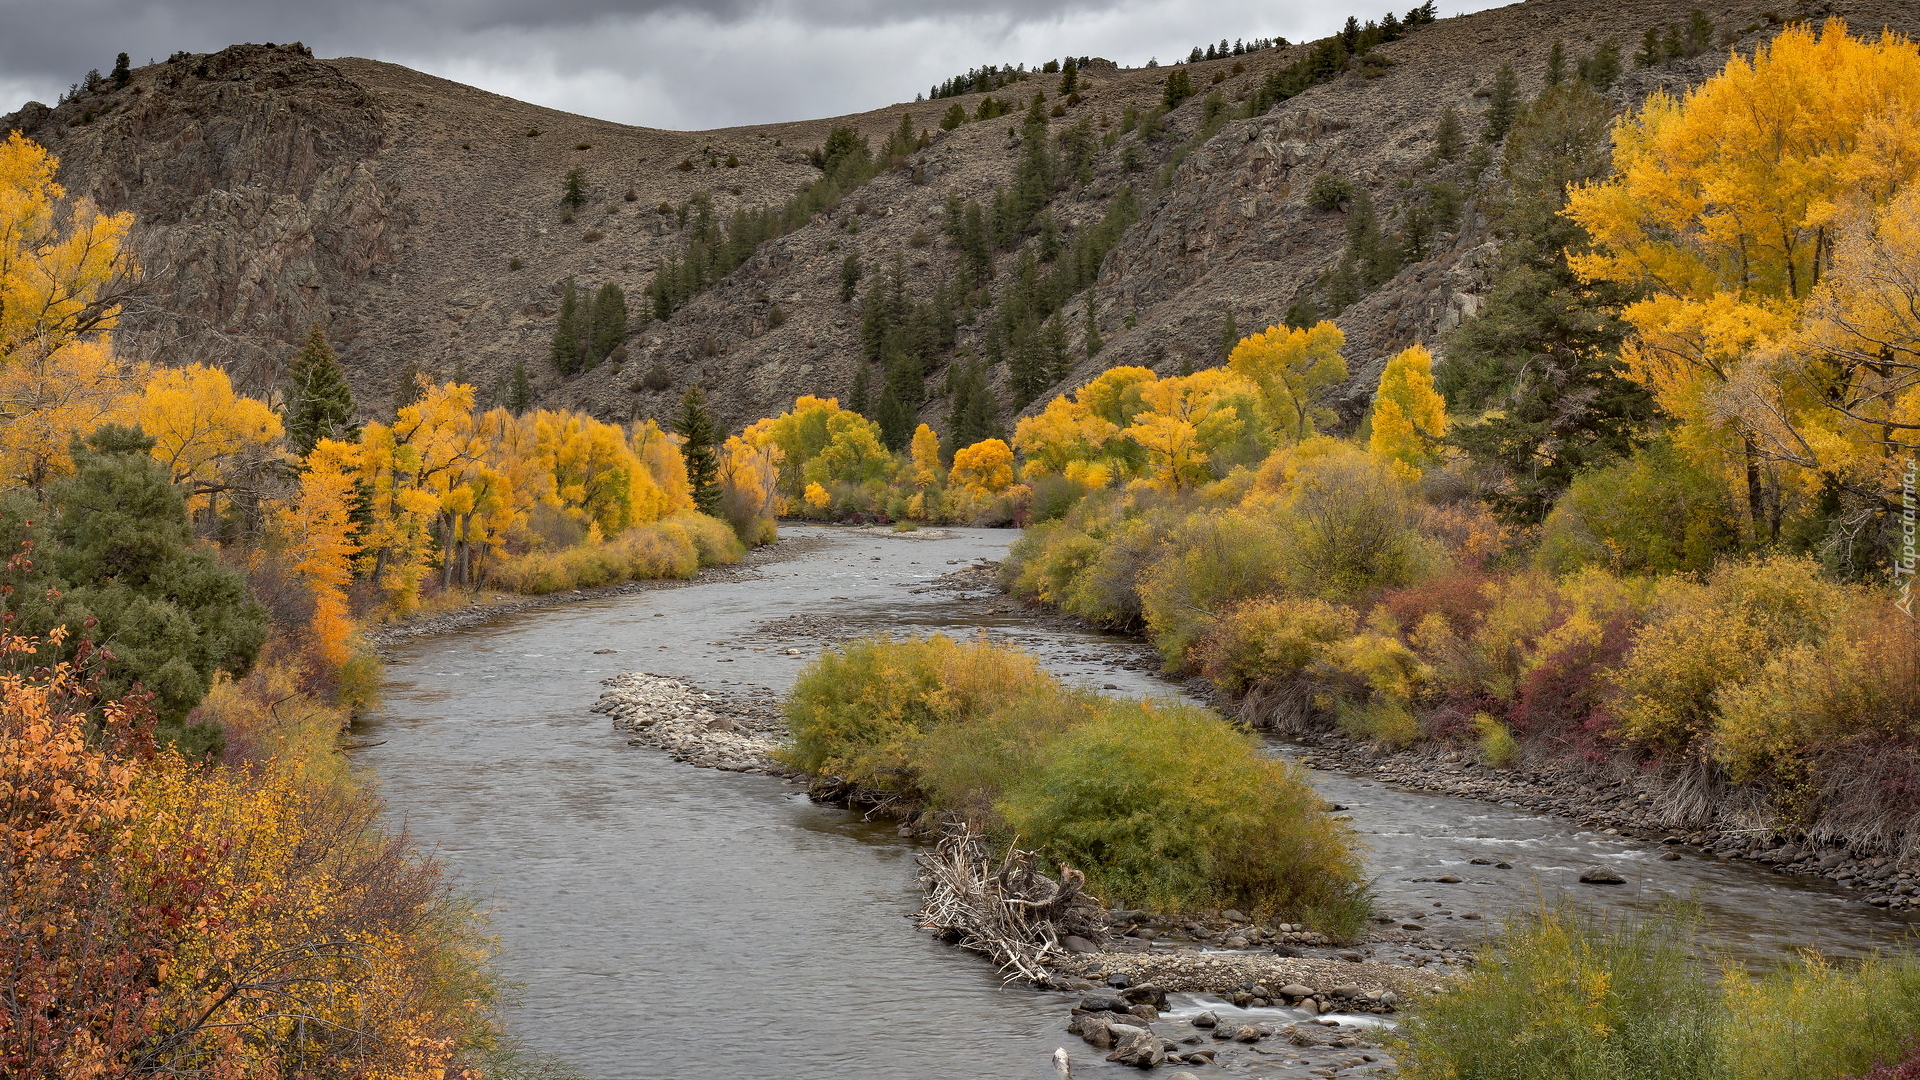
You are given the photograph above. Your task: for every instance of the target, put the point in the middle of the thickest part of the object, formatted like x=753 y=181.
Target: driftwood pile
x=1007 y=909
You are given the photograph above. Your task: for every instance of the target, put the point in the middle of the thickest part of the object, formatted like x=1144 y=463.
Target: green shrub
x=1271 y=642
x=1496 y=743
x=1213 y=560
x=1561 y=996
x=1819 y=1021
x=1167 y=807
x=1656 y=513
x=862 y=712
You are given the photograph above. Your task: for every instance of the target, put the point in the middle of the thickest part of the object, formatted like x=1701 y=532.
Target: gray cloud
x=664 y=63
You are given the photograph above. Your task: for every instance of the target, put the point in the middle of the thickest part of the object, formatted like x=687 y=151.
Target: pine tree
x=1650 y=52
x=574 y=191
x=1556 y=63
x=122 y=71
x=862 y=387
x=566 y=348
x=1229 y=336
x=695 y=424
x=1448 y=139
x=1601 y=70
x=1503 y=106
x=319 y=401
x=1093 y=342
x=606 y=322
x=1056 y=357
x=408 y=391
x=1179 y=88
x=849 y=276
x=1069 y=77
x=520 y=392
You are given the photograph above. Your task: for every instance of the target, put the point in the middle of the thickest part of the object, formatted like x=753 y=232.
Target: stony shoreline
x=1617 y=801
x=427 y=624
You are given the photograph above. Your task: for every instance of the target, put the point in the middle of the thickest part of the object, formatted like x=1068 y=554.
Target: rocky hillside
x=421 y=222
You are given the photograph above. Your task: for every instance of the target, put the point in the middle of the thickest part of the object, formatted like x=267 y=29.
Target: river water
x=661 y=920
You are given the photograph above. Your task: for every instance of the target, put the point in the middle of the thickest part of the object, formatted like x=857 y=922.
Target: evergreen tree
x=1179 y=87
x=1055 y=356
x=1543 y=351
x=974 y=413
x=1601 y=70
x=1093 y=342
x=695 y=425
x=1503 y=106
x=573 y=191
x=1650 y=52
x=1350 y=35
x=122 y=69
x=319 y=401
x=1556 y=63
x=955 y=115
x=116 y=563
x=862 y=387
x=520 y=391
x=1699 y=33
x=1069 y=77
x=607 y=322
x=567 y=349
x=1229 y=336
x=850 y=270
x=1448 y=139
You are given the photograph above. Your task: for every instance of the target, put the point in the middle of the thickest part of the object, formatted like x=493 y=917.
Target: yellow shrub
x=1271 y=641
x=1496 y=743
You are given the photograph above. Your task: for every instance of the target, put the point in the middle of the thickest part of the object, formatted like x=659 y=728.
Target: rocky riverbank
x=1620 y=800
x=733 y=732
x=490 y=605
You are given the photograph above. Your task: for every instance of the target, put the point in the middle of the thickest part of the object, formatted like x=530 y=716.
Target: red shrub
x=1459 y=597
x=1565 y=694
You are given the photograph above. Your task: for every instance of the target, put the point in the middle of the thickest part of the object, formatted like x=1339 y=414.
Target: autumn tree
x=317 y=532
x=695 y=425
x=983 y=469
x=60 y=263
x=1292 y=368
x=1409 y=415
x=319 y=402
x=214 y=443
x=1723 y=208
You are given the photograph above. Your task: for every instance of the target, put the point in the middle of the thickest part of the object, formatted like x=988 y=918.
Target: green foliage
x=973 y=412
x=573 y=190
x=114 y=562
x=123 y=73
x=1160 y=805
x=1543 y=350
x=1167 y=807
x=1448 y=137
x=850 y=271
x=955 y=115
x=319 y=401
x=519 y=391
x=700 y=450
x=1503 y=105
x=1656 y=512
x=1601 y=70
x=1567 y=997
x=1329 y=191
x=1178 y=88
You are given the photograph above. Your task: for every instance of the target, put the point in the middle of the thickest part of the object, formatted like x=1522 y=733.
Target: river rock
x=1447 y=879
x=1248 y=1033
x=1145 y=994
x=1197 y=1057
x=1073 y=943
x=1297 y=991
x=1345 y=991
x=1601 y=875
x=1104 y=1003
x=1206 y=1020
x=1138 y=1048
x=1145 y=1012
x=1233 y=916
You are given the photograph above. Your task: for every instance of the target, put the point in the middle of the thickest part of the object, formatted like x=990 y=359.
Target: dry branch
x=1008 y=910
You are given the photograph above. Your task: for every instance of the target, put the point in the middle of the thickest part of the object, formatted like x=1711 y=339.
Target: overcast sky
x=665 y=63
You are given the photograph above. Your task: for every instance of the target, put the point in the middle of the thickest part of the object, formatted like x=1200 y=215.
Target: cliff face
x=421 y=222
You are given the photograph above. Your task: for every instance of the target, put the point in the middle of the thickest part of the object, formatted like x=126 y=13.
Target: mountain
x=423 y=223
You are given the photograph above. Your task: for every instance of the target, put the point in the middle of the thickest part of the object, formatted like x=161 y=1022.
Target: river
x=661 y=920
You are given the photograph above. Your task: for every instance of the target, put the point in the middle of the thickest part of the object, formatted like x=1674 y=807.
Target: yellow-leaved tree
x=1725 y=208
x=1409 y=415
x=59 y=261
x=1188 y=420
x=317 y=531
x=1291 y=368
x=984 y=469
x=211 y=439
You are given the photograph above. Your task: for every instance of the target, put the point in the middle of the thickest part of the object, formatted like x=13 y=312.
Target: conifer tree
x=862 y=387
x=1069 y=77
x=695 y=424
x=122 y=71
x=1601 y=70
x=1448 y=139
x=408 y=391
x=1650 y=52
x=319 y=401
x=574 y=191
x=520 y=391
x=607 y=322
x=1229 y=336
x=1503 y=106
x=1179 y=87
x=1093 y=342
x=849 y=276
x=1556 y=63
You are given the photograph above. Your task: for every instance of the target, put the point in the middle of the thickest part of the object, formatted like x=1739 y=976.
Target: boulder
x=1145 y=1012
x=1206 y=1020
x=1295 y=990
x=1104 y=1003
x=1145 y=994
x=1345 y=991
x=1073 y=943
x=1601 y=875
x=1248 y=1033
x=1198 y=1057
x=1137 y=1047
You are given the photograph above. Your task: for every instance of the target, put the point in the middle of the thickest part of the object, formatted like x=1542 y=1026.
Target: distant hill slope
x=421 y=222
